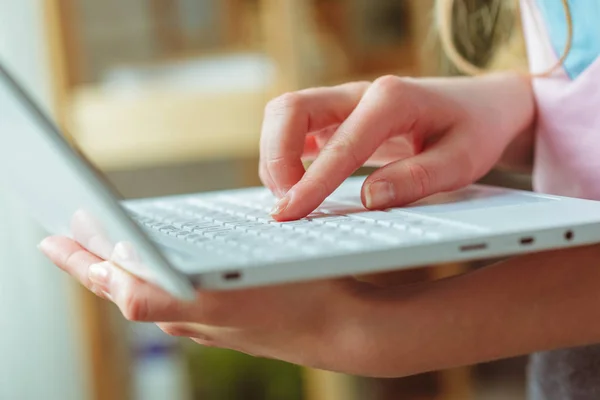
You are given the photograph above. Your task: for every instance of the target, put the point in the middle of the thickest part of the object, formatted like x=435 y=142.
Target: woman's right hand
x=428 y=136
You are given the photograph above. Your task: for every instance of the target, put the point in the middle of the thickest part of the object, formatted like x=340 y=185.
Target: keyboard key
x=340 y=209
x=196 y=238
x=169 y=230
x=331 y=219
x=392 y=236
x=218 y=233
x=259 y=227
x=196 y=226
x=247 y=227
x=207 y=229
x=301 y=222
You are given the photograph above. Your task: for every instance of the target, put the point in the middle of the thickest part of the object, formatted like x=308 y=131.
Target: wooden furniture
x=158 y=124
x=122 y=132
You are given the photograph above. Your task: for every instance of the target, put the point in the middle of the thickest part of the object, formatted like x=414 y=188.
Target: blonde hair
x=445 y=21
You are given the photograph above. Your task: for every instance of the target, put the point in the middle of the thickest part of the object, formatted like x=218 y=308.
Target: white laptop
x=227 y=240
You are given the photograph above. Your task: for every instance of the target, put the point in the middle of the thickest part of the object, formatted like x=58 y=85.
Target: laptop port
x=569 y=235
x=526 y=241
x=473 y=247
x=232 y=276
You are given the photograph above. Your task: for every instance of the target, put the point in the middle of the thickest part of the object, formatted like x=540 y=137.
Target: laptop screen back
x=65 y=193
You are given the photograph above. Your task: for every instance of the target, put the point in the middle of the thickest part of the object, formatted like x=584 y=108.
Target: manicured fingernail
x=99 y=275
x=123 y=252
x=43 y=246
x=379 y=194
x=280 y=206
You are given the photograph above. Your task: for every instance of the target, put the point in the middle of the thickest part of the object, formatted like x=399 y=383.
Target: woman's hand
x=300 y=323
x=537 y=302
x=430 y=135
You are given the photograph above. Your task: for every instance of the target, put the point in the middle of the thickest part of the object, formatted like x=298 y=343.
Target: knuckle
x=319 y=184
x=276 y=162
x=400 y=91
x=134 y=307
x=288 y=102
x=72 y=258
x=421 y=177
x=388 y=84
x=345 y=147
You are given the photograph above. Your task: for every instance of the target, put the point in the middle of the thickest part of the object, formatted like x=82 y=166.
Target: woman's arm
x=537 y=302
x=518 y=156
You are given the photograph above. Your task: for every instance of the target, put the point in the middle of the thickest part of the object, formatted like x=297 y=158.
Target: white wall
x=39 y=346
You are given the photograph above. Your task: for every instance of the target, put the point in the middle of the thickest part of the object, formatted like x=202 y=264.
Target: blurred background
x=166 y=97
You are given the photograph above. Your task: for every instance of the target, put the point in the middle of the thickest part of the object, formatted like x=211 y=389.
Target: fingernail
x=280 y=206
x=284 y=191
x=43 y=246
x=379 y=194
x=99 y=275
x=123 y=252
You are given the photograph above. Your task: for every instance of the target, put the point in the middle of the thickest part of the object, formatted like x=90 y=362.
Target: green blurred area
x=225 y=374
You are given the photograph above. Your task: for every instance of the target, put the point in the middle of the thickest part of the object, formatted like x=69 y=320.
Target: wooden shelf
x=157 y=126
x=164 y=127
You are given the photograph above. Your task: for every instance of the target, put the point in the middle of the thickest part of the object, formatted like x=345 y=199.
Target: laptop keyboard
x=240 y=227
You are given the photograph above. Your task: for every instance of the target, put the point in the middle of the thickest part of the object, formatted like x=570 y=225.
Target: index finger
x=383 y=111
x=289 y=118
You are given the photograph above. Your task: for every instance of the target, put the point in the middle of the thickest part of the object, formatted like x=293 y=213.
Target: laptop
x=227 y=240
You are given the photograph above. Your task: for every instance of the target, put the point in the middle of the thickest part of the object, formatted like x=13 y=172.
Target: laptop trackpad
x=474 y=198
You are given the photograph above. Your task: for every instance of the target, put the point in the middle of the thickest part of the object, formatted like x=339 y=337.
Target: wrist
x=519 y=154
x=374 y=332
x=350 y=343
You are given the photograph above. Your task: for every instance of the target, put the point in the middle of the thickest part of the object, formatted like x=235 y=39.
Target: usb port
x=526 y=241
x=474 y=247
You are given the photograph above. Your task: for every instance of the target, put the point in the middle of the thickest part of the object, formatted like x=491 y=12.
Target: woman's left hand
x=301 y=323
x=349 y=326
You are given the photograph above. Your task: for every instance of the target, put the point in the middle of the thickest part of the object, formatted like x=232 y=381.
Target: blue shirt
x=586 y=32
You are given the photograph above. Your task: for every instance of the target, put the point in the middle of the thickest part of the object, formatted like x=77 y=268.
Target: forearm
x=518 y=156
x=523 y=305
x=512 y=100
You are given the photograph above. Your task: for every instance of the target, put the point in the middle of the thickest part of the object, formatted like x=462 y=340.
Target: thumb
x=446 y=165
